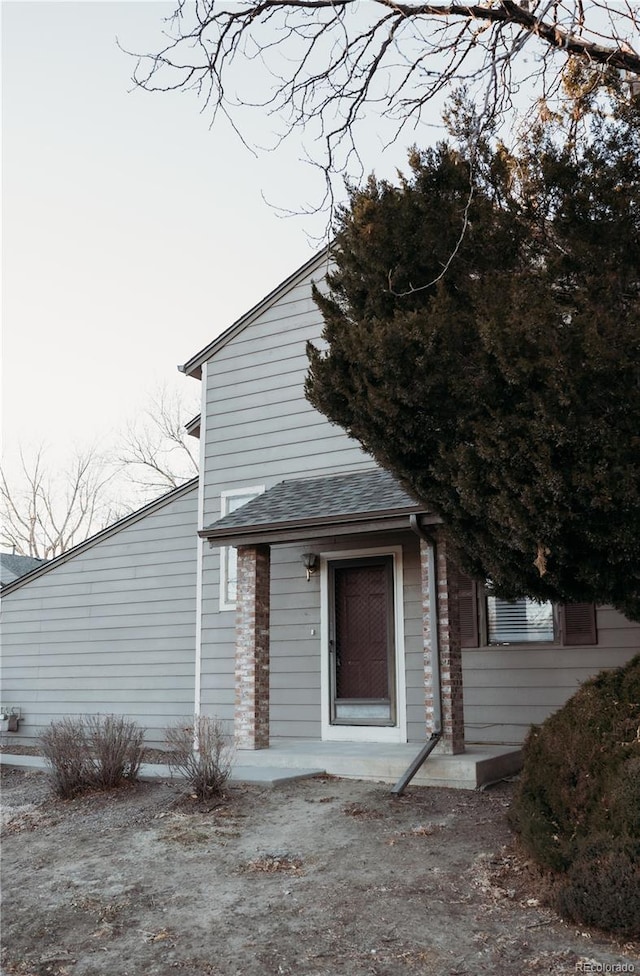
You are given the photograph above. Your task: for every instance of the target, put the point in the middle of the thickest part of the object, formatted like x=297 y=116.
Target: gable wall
x=258 y=421
x=112 y=630
x=260 y=430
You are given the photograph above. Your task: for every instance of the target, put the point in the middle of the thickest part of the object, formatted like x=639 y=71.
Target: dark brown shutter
x=579 y=624
x=467 y=609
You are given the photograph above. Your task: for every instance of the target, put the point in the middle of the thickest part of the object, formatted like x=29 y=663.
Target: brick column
x=452 y=741
x=252 y=648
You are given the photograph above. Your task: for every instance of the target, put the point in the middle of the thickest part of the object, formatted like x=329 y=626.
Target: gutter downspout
x=200 y=544
x=436 y=734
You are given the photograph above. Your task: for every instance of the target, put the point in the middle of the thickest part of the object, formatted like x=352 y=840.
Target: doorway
x=362 y=658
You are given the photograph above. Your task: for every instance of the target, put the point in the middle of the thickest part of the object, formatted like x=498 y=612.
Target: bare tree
x=328 y=63
x=155 y=453
x=43 y=515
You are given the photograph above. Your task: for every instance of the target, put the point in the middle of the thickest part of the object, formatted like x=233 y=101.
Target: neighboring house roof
x=12 y=567
x=193 y=366
x=94 y=540
x=335 y=503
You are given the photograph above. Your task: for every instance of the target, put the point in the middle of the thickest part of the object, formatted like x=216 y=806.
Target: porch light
x=310 y=563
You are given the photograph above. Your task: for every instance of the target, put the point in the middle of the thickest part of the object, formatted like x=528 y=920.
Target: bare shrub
x=92 y=752
x=202 y=753
x=117 y=748
x=64 y=746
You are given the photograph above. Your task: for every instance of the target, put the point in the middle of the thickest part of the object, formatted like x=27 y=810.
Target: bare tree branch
x=327 y=63
x=44 y=515
x=156 y=454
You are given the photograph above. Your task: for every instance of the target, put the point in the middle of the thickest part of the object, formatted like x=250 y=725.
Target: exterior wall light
x=310 y=563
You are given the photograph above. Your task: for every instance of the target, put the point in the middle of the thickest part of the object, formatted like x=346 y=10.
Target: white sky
x=132 y=233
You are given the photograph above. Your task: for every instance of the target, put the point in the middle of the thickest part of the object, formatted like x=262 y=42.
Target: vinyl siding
x=111 y=630
x=260 y=430
x=506 y=690
x=257 y=419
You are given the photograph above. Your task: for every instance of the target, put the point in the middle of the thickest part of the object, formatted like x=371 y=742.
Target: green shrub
x=92 y=752
x=602 y=886
x=202 y=753
x=577 y=805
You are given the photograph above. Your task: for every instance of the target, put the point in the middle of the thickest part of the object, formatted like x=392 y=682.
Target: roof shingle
x=310 y=500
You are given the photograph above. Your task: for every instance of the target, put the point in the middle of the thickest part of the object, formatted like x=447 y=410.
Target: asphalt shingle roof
x=12 y=567
x=331 y=497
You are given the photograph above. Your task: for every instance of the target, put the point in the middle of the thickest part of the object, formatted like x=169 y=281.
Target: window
x=230 y=501
x=485 y=620
x=522 y=621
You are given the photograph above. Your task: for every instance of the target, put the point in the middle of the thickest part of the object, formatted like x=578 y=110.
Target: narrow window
x=230 y=501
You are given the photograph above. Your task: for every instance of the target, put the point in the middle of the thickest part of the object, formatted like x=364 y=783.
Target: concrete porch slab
x=287 y=760
x=478 y=766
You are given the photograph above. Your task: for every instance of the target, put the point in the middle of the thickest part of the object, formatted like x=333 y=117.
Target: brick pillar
x=452 y=741
x=252 y=648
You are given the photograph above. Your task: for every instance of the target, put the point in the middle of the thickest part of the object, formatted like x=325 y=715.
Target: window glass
x=519 y=621
x=231 y=553
x=231 y=501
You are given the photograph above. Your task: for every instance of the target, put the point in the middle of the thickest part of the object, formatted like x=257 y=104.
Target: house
x=296 y=592
x=13 y=566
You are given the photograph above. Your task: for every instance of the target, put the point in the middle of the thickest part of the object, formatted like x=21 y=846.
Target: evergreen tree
x=482 y=330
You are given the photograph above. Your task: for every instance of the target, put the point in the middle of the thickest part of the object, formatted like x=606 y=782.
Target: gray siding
x=110 y=630
x=260 y=430
x=506 y=690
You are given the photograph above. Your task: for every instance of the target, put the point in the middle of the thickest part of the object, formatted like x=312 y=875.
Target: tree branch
x=327 y=64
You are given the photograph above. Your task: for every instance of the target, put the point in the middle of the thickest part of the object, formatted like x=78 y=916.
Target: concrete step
x=287 y=760
x=478 y=766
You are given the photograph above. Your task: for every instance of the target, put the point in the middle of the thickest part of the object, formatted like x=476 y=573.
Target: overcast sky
x=132 y=233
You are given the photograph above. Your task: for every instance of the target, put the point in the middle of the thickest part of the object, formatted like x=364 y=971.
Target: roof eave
x=93 y=540
x=192 y=426
x=301 y=529
x=193 y=366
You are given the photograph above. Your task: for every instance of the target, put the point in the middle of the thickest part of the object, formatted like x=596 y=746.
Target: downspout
x=436 y=734
x=197 y=705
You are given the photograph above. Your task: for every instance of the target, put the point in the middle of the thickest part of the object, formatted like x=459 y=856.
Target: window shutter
x=467 y=609
x=579 y=624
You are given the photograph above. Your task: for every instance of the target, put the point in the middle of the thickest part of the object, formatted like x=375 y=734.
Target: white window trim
x=364 y=733
x=249 y=493
x=483 y=628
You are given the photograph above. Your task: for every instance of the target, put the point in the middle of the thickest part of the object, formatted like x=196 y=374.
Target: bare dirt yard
x=322 y=877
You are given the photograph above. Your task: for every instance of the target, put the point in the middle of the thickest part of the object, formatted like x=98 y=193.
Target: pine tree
x=482 y=331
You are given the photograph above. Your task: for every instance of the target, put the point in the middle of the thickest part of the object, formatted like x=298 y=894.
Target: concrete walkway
x=268 y=776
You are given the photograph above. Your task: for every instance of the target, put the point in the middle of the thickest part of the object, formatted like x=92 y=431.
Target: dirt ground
x=323 y=877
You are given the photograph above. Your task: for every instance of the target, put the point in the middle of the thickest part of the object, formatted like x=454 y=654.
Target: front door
x=361 y=643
